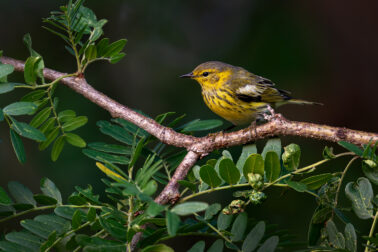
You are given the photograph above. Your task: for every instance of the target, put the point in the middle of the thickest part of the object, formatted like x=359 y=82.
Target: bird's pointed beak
x=188 y=75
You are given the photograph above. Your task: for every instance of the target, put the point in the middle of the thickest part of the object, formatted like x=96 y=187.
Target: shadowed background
x=324 y=51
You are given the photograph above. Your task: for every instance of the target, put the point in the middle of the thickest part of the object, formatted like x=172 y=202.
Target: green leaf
x=351 y=147
x=105 y=157
x=154 y=208
x=49 y=188
x=273 y=144
x=350 y=238
x=291 y=157
x=32 y=67
x=44 y=200
x=57 y=148
x=316 y=181
x=6 y=87
x=116 y=132
x=12 y=247
x=314 y=230
x=114 y=228
x=239 y=226
x=136 y=152
x=91 y=53
x=202 y=125
x=49 y=139
x=114 y=48
x=56 y=223
x=38 y=228
x=198 y=247
x=246 y=152
x=228 y=171
x=48 y=126
x=370 y=172
x=188 y=208
x=272 y=166
x=4 y=198
x=254 y=164
x=20 y=108
x=158 y=248
x=322 y=215
x=75 y=140
x=210 y=176
x=5 y=70
x=269 y=245
x=33 y=96
x=188 y=185
x=173 y=222
x=254 y=237
x=361 y=195
x=25 y=239
x=66 y=115
x=115 y=59
x=224 y=221
x=212 y=210
x=1 y=115
x=18 y=146
x=111 y=148
x=25 y=130
x=75 y=123
x=28 y=42
x=40 y=117
x=334 y=236
x=65 y=212
x=21 y=193
x=76 y=219
x=298 y=186
x=91 y=215
x=217 y=246
x=49 y=242
x=150 y=188
x=101 y=46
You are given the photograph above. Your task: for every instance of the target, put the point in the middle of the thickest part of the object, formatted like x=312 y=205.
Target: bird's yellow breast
x=224 y=103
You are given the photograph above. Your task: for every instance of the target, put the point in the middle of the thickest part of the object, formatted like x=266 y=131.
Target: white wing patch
x=249 y=90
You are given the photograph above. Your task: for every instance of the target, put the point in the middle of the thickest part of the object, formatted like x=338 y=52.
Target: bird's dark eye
x=204 y=74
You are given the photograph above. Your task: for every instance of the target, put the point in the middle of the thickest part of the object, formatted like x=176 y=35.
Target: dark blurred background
x=324 y=51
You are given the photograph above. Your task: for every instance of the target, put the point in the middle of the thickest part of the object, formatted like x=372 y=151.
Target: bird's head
x=211 y=74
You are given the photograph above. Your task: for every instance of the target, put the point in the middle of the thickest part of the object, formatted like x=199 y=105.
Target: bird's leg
x=254 y=126
x=269 y=116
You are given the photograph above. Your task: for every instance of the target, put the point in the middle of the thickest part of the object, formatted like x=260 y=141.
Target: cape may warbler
x=237 y=95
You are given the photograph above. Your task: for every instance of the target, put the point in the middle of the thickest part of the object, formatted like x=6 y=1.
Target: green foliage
x=136 y=164
x=78 y=26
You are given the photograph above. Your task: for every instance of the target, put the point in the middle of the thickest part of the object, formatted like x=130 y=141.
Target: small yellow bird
x=237 y=95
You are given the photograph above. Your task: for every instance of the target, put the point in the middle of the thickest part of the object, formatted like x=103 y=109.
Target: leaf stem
x=73 y=231
x=307 y=168
x=215 y=230
x=342 y=178
x=45 y=208
x=371 y=233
